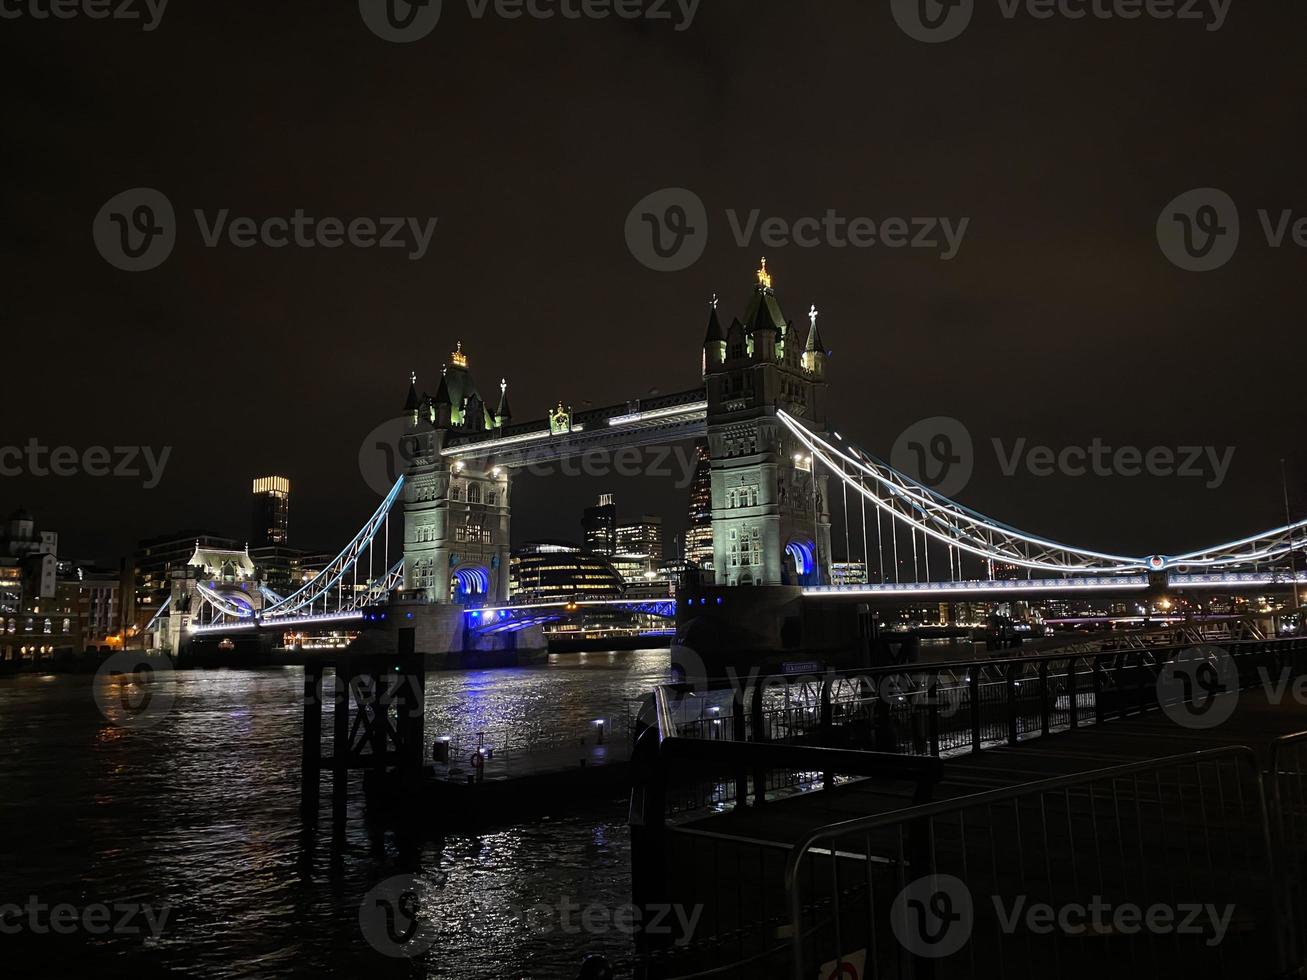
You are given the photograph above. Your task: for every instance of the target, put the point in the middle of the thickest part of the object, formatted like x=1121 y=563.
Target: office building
x=599 y=526
x=271 y=512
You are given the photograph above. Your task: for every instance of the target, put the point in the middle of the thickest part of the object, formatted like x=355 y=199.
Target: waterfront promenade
x=1144 y=805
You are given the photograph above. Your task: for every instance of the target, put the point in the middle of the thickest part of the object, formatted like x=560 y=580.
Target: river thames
x=196 y=819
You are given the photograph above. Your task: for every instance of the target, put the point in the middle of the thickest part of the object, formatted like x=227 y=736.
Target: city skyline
x=650 y=489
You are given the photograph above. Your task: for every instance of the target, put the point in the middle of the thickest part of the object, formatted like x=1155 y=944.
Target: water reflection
x=200 y=813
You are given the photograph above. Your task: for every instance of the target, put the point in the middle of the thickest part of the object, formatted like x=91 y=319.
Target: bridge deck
x=1255 y=723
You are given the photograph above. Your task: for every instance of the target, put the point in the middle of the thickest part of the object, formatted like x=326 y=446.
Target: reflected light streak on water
x=200 y=813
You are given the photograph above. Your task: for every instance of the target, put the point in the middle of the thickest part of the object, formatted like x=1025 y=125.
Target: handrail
x=1289 y=935
x=741 y=755
x=853 y=672
x=1007 y=793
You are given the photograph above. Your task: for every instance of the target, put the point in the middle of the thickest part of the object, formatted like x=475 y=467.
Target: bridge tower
x=771 y=512
x=456 y=517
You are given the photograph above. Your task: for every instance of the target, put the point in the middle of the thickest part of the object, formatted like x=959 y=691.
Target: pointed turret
x=503 y=414
x=714 y=341
x=443 y=404
x=814 y=352
x=411 y=404
x=763 y=319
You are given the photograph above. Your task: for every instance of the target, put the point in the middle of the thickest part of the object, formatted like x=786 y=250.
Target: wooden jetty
x=377 y=703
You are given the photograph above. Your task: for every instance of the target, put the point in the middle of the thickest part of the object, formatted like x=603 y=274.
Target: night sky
x=1059 y=320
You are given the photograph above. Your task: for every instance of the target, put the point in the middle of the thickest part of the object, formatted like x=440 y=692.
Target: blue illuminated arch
x=803 y=555
x=471 y=584
x=800 y=553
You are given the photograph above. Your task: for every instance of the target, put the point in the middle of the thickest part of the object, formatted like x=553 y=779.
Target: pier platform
x=1113 y=802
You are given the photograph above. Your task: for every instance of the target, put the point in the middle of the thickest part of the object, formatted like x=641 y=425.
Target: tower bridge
x=777 y=467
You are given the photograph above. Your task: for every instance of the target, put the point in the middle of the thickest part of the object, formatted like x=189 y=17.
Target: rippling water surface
x=199 y=815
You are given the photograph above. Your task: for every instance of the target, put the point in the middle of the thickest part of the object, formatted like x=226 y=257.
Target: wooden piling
x=311 y=757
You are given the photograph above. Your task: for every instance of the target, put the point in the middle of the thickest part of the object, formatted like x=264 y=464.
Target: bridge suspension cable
x=964 y=530
x=332 y=577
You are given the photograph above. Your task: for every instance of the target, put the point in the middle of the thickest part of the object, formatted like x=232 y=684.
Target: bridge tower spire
x=771 y=519
x=714 y=341
x=456 y=515
x=814 y=351
x=412 y=404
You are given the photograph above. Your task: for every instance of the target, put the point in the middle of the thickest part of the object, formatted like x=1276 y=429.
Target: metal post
x=973 y=684
x=741 y=770
x=1043 y=698
x=1072 y=697
x=340 y=746
x=827 y=723
x=758 y=723
x=311 y=758
x=932 y=701
x=1097 y=677
x=1010 y=683
x=648 y=832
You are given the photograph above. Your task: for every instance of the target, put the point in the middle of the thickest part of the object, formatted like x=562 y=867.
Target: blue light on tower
x=801 y=553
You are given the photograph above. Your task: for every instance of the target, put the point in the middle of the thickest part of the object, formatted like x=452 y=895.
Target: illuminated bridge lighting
x=1054 y=585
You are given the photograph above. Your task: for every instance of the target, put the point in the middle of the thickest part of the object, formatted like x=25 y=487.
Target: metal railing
x=713 y=871
x=777 y=734
x=944 y=709
x=1287 y=773
x=951 y=889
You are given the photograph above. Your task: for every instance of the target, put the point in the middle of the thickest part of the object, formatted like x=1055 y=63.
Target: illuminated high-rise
x=698 y=538
x=271 y=513
x=599 y=525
